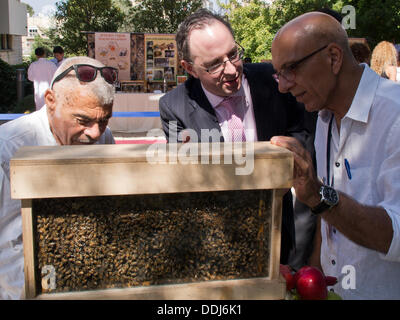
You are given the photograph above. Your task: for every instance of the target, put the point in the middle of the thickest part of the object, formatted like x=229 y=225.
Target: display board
x=161 y=57
x=143 y=60
x=114 y=50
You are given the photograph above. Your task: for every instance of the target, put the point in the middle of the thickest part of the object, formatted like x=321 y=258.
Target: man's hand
x=305 y=180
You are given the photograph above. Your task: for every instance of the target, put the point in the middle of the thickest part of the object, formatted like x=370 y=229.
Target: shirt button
x=333 y=262
x=337 y=164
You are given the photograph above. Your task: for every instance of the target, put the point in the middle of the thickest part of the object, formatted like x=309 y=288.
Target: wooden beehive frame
x=73 y=171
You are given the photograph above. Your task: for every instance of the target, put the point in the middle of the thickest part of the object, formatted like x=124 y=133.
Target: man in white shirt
x=78 y=107
x=58 y=56
x=358 y=156
x=40 y=73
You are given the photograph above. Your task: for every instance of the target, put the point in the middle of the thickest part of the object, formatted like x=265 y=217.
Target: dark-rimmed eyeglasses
x=88 y=73
x=234 y=57
x=289 y=72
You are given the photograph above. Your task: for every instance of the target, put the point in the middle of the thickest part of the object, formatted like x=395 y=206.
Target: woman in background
x=384 y=61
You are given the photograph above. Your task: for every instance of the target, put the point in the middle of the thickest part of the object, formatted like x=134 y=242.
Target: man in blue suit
x=213 y=59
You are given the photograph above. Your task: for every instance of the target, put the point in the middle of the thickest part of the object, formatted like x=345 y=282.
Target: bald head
x=313 y=29
x=314 y=62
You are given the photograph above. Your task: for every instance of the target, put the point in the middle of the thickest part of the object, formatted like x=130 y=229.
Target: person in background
x=40 y=73
x=58 y=56
x=78 y=106
x=384 y=61
x=355 y=192
x=361 y=52
x=238 y=102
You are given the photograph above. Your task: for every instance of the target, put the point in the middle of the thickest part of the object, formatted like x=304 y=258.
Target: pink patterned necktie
x=235 y=123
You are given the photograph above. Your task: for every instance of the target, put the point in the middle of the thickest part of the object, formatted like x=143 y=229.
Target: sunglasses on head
x=88 y=73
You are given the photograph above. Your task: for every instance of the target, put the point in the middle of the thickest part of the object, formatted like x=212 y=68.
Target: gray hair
x=101 y=89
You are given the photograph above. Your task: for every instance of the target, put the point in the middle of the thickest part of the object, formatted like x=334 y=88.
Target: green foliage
x=8 y=90
x=125 y=6
x=29 y=9
x=8 y=86
x=255 y=22
x=161 y=16
x=251 y=28
x=376 y=20
x=283 y=11
x=74 y=16
x=27 y=104
x=46 y=44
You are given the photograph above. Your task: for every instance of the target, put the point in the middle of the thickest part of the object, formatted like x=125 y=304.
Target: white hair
x=101 y=89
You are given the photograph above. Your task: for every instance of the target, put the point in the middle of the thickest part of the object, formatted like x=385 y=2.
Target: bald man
x=357 y=191
x=78 y=107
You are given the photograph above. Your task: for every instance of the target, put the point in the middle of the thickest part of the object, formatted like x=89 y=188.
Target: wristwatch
x=329 y=199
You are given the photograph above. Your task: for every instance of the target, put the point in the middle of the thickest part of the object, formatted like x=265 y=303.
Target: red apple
x=311 y=284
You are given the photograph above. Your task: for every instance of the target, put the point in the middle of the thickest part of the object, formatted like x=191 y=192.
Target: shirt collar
x=216 y=100
x=46 y=125
x=363 y=99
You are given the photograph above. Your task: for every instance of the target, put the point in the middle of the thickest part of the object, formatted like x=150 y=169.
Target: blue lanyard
x=328 y=152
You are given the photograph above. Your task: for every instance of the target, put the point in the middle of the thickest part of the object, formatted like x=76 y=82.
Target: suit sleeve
x=170 y=123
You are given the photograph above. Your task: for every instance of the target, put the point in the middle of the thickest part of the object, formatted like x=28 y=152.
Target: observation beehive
x=190 y=221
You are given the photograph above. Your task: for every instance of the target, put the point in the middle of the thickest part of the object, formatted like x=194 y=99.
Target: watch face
x=330 y=196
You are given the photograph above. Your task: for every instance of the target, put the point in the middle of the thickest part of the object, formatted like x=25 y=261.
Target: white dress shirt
x=249 y=122
x=41 y=73
x=369 y=140
x=29 y=130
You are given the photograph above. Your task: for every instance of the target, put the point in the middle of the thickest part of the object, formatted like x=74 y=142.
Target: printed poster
x=114 y=50
x=161 y=57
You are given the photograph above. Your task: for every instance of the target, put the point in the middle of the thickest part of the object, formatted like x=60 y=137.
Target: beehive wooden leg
x=29 y=245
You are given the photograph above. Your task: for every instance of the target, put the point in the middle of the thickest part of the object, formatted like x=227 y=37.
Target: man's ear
x=189 y=68
x=50 y=99
x=336 y=56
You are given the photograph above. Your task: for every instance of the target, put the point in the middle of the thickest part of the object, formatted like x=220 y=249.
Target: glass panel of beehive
x=126 y=241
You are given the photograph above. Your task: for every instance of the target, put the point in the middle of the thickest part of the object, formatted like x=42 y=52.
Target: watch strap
x=321 y=207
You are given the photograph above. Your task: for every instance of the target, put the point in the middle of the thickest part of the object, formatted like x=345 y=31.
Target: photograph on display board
x=161 y=62
x=169 y=73
x=160 y=57
x=158 y=74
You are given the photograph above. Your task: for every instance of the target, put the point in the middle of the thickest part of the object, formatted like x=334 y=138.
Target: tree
x=161 y=16
x=74 y=16
x=375 y=20
x=250 y=26
x=29 y=9
x=125 y=6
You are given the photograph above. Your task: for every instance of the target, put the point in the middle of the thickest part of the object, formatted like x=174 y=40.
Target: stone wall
x=14 y=55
